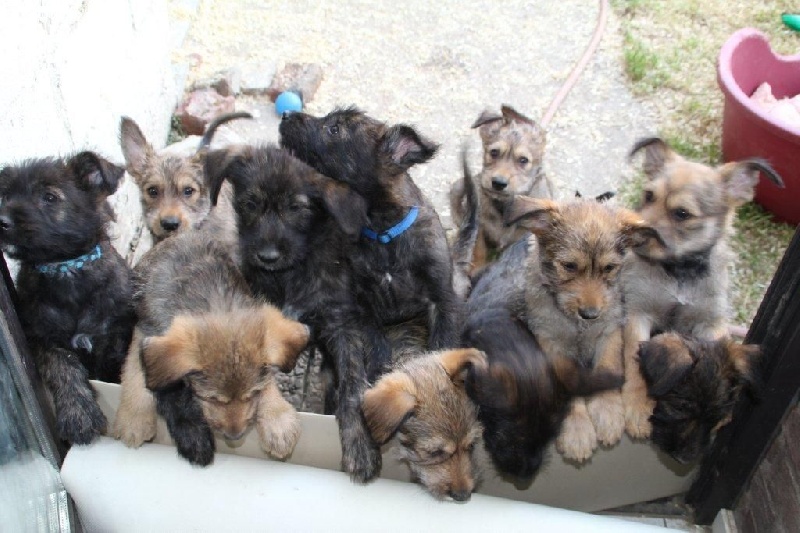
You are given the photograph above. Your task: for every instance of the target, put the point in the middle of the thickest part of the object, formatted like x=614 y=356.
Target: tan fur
x=135 y=420
x=513 y=150
x=438 y=441
x=691 y=206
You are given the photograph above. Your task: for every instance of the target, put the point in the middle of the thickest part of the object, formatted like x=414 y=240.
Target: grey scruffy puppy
x=74 y=289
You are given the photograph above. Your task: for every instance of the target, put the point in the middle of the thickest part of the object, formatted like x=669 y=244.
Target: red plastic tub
x=745 y=62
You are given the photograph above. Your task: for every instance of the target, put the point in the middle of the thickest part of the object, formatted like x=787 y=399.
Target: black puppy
x=696 y=385
x=74 y=288
x=295 y=227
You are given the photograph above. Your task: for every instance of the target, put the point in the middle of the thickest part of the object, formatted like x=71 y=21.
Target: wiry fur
x=695 y=384
x=208 y=350
x=678 y=280
x=423 y=403
x=78 y=323
x=513 y=151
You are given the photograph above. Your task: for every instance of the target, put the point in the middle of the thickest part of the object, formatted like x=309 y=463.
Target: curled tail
x=205 y=142
x=464 y=245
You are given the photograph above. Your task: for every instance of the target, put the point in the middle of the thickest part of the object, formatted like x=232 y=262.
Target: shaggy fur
x=695 y=384
x=678 y=280
x=423 y=403
x=77 y=319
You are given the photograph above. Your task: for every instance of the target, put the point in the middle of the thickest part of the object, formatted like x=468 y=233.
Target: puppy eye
x=49 y=198
x=470 y=447
x=608 y=269
x=681 y=214
x=570 y=267
x=495 y=153
x=649 y=197
x=523 y=161
x=188 y=191
x=333 y=130
x=152 y=192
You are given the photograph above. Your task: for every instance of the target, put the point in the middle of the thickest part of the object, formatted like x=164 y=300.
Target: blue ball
x=288 y=101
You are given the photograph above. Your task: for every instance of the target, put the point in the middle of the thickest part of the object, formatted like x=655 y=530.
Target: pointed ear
x=218 y=165
x=746 y=360
x=169 y=358
x=402 y=147
x=96 y=174
x=664 y=361
x=458 y=362
x=535 y=214
x=740 y=179
x=634 y=231
x=135 y=148
x=387 y=405
x=284 y=338
x=347 y=207
x=512 y=115
x=657 y=154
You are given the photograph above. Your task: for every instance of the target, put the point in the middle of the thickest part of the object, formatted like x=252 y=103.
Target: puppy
x=695 y=385
x=295 y=228
x=513 y=149
x=573 y=301
x=208 y=349
x=74 y=288
x=174 y=192
x=678 y=280
x=423 y=403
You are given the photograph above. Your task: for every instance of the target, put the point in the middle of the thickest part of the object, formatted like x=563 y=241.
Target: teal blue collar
x=395 y=231
x=65 y=267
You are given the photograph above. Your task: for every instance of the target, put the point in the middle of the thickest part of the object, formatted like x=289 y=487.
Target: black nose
x=589 y=313
x=170 y=223
x=6 y=223
x=234 y=436
x=499 y=184
x=460 y=495
x=269 y=254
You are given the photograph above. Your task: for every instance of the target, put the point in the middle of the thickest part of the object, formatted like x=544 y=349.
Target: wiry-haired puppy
x=208 y=349
x=174 y=190
x=401 y=264
x=423 y=402
x=74 y=288
x=573 y=301
x=513 y=149
x=696 y=385
x=678 y=280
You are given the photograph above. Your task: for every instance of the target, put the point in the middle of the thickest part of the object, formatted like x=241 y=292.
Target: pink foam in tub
x=746 y=61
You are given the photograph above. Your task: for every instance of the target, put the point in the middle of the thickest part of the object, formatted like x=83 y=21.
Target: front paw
x=608 y=416
x=638 y=409
x=279 y=434
x=361 y=457
x=195 y=443
x=577 y=440
x=80 y=421
x=134 y=427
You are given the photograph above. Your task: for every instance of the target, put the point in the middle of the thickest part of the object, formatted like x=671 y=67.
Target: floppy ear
x=494 y=386
x=535 y=214
x=218 y=165
x=387 y=405
x=657 y=154
x=458 y=362
x=664 y=361
x=582 y=381
x=347 y=207
x=402 y=148
x=746 y=360
x=135 y=148
x=284 y=338
x=740 y=179
x=488 y=122
x=171 y=357
x=96 y=174
x=634 y=230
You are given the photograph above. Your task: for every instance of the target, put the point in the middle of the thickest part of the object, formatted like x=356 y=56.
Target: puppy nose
x=460 y=495
x=589 y=313
x=499 y=184
x=6 y=223
x=170 y=223
x=230 y=435
x=269 y=255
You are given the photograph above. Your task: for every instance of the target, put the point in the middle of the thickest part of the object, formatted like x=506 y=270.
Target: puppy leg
x=638 y=406
x=277 y=422
x=79 y=419
x=446 y=310
x=577 y=439
x=480 y=254
x=186 y=424
x=606 y=408
x=135 y=422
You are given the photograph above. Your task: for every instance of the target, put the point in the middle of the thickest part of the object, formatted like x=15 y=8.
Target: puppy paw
x=195 y=443
x=279 y=434
x=361 y=457
x=577 y=440
x=638 y=408
x=81 y=421
x=134 y=428
x=608 y=416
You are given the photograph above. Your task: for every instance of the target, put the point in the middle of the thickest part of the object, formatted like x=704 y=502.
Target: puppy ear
x=347 y=207
x=582 y=381
x=458 y=362
x=387 y=405
x=96 y=174
x=657 y=154
x=740 y=179
x=488 y=122
x=284 y=338
x=535 y=214
x=634 y=231
x=512 y=115
x=495 y=386
x=219 y=165
x=664 y=361
x=402 y=148
x=171 y=357
x=746 y=360
x=135 y=148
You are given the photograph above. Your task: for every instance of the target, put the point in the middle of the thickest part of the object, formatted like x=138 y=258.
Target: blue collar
x=62 y=268
x=395 y=231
